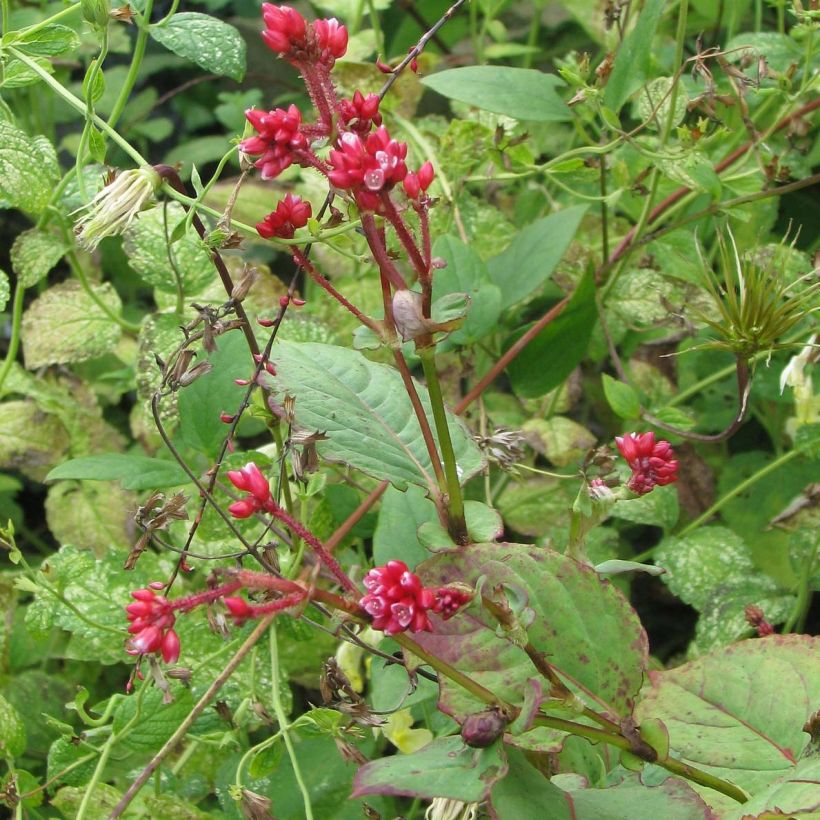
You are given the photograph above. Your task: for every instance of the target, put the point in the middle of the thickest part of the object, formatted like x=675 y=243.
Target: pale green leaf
x=48 y=41
x=5 y=290
x=659 y=508
x=365 y=412
x=161 y=264
x=621 y=398
x=795 y=795
x=449 y=768
x=739 y=712
x=66 y=325
x=33 y=254
x=562 y=440
x=30 y=440
x=214 y=46
x=12 y=730
x=401 y=513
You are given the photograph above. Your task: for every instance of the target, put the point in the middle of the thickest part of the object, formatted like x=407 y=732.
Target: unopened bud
x=227 y=418
x=96 y=12
x=407 y=314
x=438 y=263
x=483 y=728
x=265 y=322
x=241 y=288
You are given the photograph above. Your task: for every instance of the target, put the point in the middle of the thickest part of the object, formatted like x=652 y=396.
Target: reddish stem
x=379 y=251
x=490 y=376
x=356 y=516
x=406 y=238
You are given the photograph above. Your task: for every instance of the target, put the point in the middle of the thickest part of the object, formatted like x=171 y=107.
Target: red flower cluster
x=652 y=462
x=251 y=480
x=279 y=141
x=361 y=113
x=152 y=625
x=397 y=600
x=287 y=33
x=368 y=166
x=291 y=213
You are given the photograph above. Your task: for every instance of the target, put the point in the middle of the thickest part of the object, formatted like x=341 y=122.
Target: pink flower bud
x=238 y=607
x=227 y=418
x=170 y=647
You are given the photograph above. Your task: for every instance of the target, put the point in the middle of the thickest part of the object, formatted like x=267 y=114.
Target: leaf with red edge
x=738 y=712
x=585 y=627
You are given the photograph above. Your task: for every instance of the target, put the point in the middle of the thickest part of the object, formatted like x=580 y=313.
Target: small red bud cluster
x=152 y=625
x=279 y=139
x=652 y=462
x=291 y=213
x=398 y=601
x=250 y=480
x=290 y=36
x=756 y=618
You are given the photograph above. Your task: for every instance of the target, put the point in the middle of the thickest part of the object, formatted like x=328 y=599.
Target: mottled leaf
x=134 y=471
x=562 y=440
x=28 y=169
x=12 y=730
x=214 y=46
x=163 y=265
x=30 y=440
x=66 y=325
x=33 y=254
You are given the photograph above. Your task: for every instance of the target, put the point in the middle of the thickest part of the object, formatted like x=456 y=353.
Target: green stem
x=95 y=778
x=14 y=340
x=282 y=719
x=89 y=113
x=797 y=619
x=376 y=25
x=78 y=104
x=670 y=764
x=458 y=525
x=5 y=10
x=136 y=63
x=50 y=20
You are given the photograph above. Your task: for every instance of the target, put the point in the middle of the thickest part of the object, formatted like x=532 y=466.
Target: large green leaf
x=364 y=410
x=798 y=793
x=12 y=730
x=211 y=44
x=739 y=712
x=30 y=440
x=401 y=513
x=632 y=61
x=28 y=169
x=134 y=471
x=529 y=260
x=558 y=349
x=65 y=324
x=444 y=768
x=522 y=93
x=466 y=273
x=602 y=649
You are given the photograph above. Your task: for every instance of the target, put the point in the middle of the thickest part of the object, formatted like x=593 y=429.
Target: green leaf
x=537 y=507
x=33 y=254
x=28 y=169
x=101 y=803
x=466 y=273
x=659 y=508
x=654 y=102
x=201 y=403
x=525 y=787
x=621 y=398
x=521 y=93
x=134 y=471
x=364 y=410
x=63 y=753
x=401 y=513
x=795 y=795
x=531 y=257
x=213 y=45
x=66 y=325
x=157 y=721
x=159 y=263
x=632 y=62
x=16 y=74
x=720 y=713
x=93 y=83
x=12 y=730
x=603 y=663
x=49 y=41
x=537 y=370
x=444 y=768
